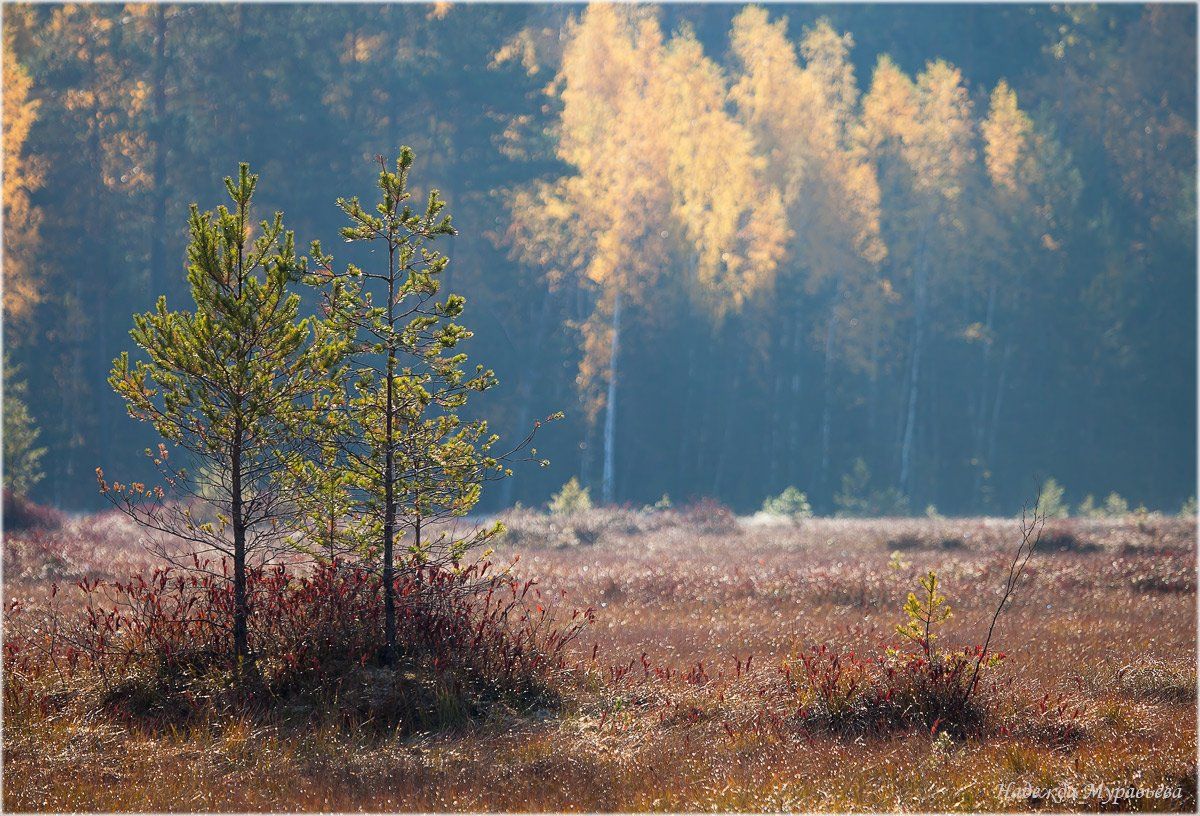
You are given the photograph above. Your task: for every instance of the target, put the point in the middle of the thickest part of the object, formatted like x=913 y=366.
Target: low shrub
x=1050 y=501
x=1064 y=540
x=572 y=498
x=917 y=685
x=906 y=541
x=894 y=691
x=708 y=517
x=857 y=500
x=1159 y=681
x=22 y=514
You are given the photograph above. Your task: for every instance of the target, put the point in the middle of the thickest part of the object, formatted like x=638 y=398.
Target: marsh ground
x=679 y=704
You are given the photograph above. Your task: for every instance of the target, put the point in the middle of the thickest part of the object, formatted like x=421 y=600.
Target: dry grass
x=1099 y=685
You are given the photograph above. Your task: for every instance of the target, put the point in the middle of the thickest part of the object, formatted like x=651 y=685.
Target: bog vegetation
x=742 y=248
x=764 y=285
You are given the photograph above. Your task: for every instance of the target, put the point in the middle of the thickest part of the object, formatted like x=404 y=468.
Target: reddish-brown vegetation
x=740 y=669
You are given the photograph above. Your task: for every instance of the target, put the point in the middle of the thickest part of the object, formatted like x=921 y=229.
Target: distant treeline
x=945 y=251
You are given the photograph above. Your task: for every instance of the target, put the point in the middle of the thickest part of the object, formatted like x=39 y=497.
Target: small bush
x=1061 y=540
x=1159 y=681
x=918 y=686
x=570 y=499
x=791 y=503
x=708 y=517
x=22 y=514
x=1114 y=507
x=906 y=541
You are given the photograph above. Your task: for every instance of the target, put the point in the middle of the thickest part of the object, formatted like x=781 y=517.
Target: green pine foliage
x=573 y=498
x=405 y=458
x=22 y=454
x=925 y=612
x=1050 y=501
x=239 y=384
x=791 y=503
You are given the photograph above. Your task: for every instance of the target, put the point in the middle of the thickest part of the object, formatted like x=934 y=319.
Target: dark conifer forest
x=931 y=254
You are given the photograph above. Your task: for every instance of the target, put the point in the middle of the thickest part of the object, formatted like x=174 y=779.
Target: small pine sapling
x=925 y=611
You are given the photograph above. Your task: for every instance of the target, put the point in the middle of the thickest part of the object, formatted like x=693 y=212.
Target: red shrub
x=708 y=516
x=893 y=690
x=161 y=646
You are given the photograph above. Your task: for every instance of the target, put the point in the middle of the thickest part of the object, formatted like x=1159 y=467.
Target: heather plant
x=571 y=499
x=150 y=649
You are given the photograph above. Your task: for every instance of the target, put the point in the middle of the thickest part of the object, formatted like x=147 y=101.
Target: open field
x=682 y=695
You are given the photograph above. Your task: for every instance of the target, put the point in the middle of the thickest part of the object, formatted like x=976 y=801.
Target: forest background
x=937 y=253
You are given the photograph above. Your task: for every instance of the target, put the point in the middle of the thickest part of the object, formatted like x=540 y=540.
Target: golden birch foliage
x=889 y=111
x=662 y=176
x=1005 y=137
x=733 y=221
x=940 y=149
x=1031 y=175
x=805 y=119
x=22 y=177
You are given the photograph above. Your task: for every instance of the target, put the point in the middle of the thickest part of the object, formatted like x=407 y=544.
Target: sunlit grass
x=1101 y=640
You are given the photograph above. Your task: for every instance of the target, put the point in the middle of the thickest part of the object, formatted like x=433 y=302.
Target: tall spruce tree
x=240 y=384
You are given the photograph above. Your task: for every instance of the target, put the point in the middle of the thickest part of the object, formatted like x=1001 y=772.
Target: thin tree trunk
x=995 y=420
x=241 y=646
x=793 y=409
x=726 y=424
x=158 y=236
x=389 y=472
x=681 y=462
x=827 y=402
x=610 y=408
x=914 y=374
x=981 y=400
x=525 y=392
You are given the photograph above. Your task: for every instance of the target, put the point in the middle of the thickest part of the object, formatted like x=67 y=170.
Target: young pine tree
x=408 y=459
x=240 y=384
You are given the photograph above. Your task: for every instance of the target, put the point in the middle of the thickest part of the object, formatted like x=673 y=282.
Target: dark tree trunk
x=241 y=612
